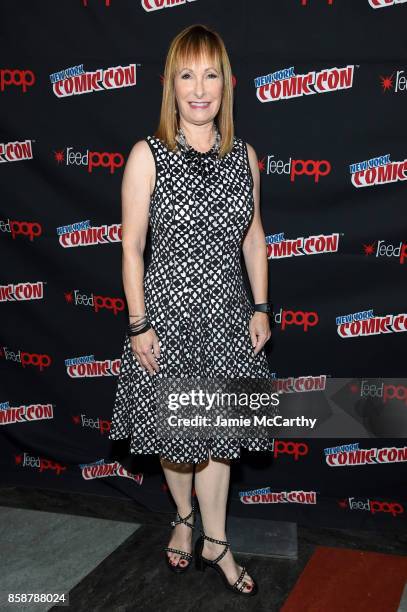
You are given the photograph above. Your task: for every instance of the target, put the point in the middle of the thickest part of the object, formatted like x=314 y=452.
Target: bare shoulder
x=140 y=165
x=140 y=153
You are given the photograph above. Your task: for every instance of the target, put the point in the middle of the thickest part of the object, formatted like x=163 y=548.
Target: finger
x=153 y=362
x=142 y=358
x=260 y=344
x=145 y=364
x=253 y=337
x=156 y=348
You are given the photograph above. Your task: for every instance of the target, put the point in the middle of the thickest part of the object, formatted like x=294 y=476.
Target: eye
x=212 y=74
x=185 y=75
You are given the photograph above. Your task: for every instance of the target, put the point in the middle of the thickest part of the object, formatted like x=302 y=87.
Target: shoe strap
x=240 y=579
x=185 y=519
x=183 y=553
x=225 y=543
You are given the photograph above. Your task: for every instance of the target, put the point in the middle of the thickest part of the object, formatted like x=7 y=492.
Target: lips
x=199 y=104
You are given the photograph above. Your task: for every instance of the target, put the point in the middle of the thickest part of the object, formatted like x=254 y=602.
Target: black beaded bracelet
x=132 y=332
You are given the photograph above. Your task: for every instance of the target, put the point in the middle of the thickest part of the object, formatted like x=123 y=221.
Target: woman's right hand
x=146 y=350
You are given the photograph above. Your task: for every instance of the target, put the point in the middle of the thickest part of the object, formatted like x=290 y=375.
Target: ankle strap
x=185 y=519
x=225 y=543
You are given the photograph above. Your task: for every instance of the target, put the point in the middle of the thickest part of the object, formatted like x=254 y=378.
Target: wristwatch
x=263 y=307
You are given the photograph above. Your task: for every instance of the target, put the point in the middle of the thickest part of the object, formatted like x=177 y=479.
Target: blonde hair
x=195 y=42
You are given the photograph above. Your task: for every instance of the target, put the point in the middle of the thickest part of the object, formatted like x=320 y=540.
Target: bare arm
x=138 y=178
x=254 y=244
x=255 y=256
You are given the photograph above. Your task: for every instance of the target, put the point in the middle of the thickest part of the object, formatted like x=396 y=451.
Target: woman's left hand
x=260 y=332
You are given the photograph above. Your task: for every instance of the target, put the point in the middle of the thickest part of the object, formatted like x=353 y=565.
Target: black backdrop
x=61 y=291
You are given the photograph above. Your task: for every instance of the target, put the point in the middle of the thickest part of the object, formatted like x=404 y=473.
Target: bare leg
x=179 y=480
x=211 y=486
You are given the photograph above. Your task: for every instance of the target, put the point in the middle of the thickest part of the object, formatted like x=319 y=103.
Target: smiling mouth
x=199 y=104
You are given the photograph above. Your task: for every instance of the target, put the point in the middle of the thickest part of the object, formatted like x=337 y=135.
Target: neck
x=201 y=137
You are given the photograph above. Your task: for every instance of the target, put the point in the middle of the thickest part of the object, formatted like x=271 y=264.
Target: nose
x=199 y=87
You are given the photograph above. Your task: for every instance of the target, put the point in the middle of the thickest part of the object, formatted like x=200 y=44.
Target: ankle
x=185 y=510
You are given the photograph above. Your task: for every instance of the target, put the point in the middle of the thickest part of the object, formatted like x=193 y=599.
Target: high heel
x=201 y=563
x=184 y=554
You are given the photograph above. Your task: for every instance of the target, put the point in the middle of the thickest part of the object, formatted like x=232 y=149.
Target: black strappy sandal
x=184 y=555
x=201 y=564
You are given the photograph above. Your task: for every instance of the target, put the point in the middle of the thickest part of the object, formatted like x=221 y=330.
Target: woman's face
x=198 y=91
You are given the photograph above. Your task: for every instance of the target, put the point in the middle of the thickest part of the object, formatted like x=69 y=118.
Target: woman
x=197 y=186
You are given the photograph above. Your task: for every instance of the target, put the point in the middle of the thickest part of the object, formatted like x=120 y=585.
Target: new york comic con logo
x=100 y=469
x=384 y=3
x=147 y=5
x=21 y=414
x=267 y=496
x=82 y=234
x=378 y=170
x=22 y=292
x=365 y=323
x=16 y=151
x=88 y=367
x=75 y=81
x=285 y=85
x=279 y=247
x=373 y=3
x=349 y=455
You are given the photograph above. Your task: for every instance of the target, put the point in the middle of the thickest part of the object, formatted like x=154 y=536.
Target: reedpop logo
x=387 y=250
x=36 y=360
x=103 y=425
x=16 y=78
x=299 y=318
x=43 y=465
x=97 y=302
x=296 y=167
x=90 y=159
x=371 y=505
x=21 y=228
x=399 y=85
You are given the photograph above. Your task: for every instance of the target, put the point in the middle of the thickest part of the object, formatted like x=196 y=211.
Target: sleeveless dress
x=194 y=294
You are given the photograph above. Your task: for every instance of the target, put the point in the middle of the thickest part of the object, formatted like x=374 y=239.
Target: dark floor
x=134 y=576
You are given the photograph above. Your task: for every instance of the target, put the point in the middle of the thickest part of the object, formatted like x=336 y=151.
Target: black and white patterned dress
x=194 y=293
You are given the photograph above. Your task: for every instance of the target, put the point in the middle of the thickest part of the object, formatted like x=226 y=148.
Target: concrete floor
x=96 y=549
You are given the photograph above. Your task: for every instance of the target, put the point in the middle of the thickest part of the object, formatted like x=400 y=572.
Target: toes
x=173 y=559
x=249 y=583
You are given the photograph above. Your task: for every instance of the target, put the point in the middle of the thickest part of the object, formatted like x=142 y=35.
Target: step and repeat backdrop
x=320 y=93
